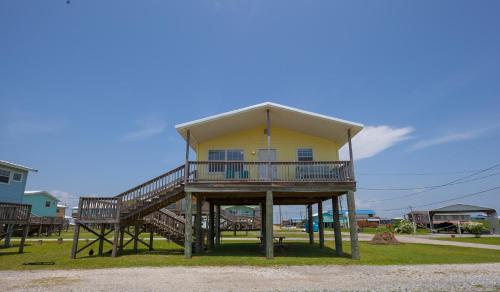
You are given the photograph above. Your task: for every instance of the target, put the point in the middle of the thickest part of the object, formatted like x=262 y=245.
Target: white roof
x=59 y=205
x=281 y=116
x=17 y=166
x=44 y=193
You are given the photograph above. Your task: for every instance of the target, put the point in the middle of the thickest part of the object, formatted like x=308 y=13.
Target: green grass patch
x=239 y=253
x=483 y=240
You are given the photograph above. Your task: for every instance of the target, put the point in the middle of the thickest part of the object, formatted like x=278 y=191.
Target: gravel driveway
x=476 y=277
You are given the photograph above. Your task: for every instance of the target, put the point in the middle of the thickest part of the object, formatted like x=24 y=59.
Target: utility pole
x=413 y=221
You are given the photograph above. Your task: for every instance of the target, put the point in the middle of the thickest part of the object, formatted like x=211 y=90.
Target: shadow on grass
x=15 y=249
x=128 y=252
x=292 y=249
x=234 y=249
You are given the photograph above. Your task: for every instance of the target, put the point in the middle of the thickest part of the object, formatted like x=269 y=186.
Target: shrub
x=404 y=226
x=474 y=228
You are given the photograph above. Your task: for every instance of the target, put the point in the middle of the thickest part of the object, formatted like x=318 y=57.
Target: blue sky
x=90 y=91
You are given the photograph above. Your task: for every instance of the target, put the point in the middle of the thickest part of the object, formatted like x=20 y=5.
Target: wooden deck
x=11 y=215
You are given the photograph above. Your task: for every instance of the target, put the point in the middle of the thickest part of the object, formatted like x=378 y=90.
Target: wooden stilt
x=136 y=236
x=321 y=226
x=151 y=234
x=336 y=226
x=199 y=234
x=8 y=235
x=310 y=225
x=217 y=227
x=353 y=225
x=188 y=232
x=23 y=238
x=211 y=226
x=114 y=252
x=101 y=239
x=269 y=225
x=263 y=223
x=122 y=232
x=75 y=240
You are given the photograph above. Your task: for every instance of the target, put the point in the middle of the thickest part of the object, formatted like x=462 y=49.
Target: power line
x=436 y=187
x=448 y=200
x=427 y=187
x=416 y=173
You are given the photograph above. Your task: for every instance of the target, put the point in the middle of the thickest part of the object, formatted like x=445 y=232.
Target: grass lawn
x=483 y=240
x=240 y=253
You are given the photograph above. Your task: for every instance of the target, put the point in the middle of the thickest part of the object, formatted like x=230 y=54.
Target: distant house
x=327 y=219
x=43 y=204
x=240 y=210
x=13 y=179
x=364 y=218
x=454 y=215
x=61 y=210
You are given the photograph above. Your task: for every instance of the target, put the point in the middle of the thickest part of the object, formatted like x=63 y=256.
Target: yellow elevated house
x=267 y=154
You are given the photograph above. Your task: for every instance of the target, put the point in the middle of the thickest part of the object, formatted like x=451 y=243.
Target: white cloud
x=66 y=198
x=374 y=139
x=453 y=137
x=147 y=128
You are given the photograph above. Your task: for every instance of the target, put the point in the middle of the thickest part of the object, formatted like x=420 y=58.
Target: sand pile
x=384 y=238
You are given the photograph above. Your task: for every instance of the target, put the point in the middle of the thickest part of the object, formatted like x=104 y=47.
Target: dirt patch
x=384 y=238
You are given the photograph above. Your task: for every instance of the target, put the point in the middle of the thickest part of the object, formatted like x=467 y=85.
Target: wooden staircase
x=167 y=224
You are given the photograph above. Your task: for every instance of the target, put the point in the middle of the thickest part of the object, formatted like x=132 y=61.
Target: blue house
x=13 y=181
x=43 y=203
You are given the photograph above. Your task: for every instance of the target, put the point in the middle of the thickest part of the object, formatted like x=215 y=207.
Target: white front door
x=265 y=156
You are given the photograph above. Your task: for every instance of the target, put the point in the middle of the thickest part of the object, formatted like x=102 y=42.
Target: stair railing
x=152 y=187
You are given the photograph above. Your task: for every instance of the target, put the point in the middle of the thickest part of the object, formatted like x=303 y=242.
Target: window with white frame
x=4 y=176
x=304 y=154
x=17 y=176
x=234 y=155
x=216 y=155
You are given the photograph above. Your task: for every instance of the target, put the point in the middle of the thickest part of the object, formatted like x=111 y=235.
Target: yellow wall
x=285 y=141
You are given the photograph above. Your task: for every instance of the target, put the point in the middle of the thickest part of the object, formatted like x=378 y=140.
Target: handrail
x=152 y=187
x=110 y=208
x=14 y=212
x=282 y=171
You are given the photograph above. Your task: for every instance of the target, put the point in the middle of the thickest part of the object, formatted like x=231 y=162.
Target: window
x=47 y=204
x=17 y=176
x=4 y=176
x=235 y=155
x=305 y=154
x=216 y=155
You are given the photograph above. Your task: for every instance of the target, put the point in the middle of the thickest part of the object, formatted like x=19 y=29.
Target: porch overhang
x=310 y=123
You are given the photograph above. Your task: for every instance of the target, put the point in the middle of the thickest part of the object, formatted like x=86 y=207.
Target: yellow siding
x=285 y=141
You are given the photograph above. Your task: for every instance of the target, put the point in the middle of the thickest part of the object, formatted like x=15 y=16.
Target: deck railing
x=311 y=171
x=102 y=209
x=11 y=212
x=42 y=220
